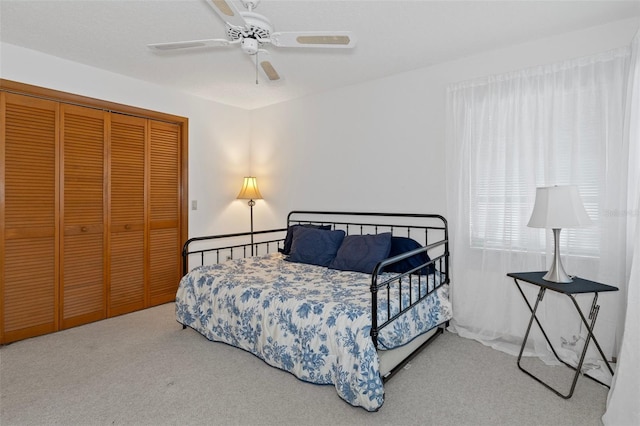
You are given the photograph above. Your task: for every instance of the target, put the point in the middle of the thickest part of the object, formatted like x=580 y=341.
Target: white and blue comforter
x=309 y=320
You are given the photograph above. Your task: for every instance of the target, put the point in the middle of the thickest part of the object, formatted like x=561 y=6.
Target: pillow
x=289 y=238
x=401 y=245
x=361 y=253
x=314 y=246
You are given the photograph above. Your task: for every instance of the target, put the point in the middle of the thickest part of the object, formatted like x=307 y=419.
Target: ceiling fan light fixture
x=250 y=46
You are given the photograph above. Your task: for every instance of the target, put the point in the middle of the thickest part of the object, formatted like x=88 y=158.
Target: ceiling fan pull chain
x=257 y=60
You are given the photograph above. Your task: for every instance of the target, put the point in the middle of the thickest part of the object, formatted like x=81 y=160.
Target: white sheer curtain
x=622 y=404
x=507 y=135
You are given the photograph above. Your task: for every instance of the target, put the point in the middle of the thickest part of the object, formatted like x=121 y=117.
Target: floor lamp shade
x=249 y=190
x=558 y=207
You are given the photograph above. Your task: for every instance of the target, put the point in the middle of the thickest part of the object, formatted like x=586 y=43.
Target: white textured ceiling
x=393 y=36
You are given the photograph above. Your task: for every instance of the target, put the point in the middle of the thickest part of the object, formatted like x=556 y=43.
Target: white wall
x=218 y=134
x=380 y=145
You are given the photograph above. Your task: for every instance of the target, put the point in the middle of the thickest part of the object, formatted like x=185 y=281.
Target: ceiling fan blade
x=265 y=64
x=228 y=12
x=330 y=39
x=214 y=42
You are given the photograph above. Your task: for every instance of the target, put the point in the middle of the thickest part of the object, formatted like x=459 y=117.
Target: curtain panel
x=507 y=134
x=622 y=402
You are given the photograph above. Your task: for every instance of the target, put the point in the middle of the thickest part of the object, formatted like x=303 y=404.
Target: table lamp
x=558 y=207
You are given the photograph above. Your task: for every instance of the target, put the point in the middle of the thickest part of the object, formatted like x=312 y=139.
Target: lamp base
x=556 y=272
x=557 y=275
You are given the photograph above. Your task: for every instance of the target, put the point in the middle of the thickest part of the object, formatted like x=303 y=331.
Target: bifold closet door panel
x=127 y=259
x=28 y=216
x=83 y=289
x=164 y=238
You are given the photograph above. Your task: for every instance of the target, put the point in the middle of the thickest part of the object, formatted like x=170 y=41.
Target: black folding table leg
x=593 y=316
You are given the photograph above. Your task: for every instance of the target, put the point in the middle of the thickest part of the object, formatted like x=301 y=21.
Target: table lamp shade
x=558 y=207
x=249 y=189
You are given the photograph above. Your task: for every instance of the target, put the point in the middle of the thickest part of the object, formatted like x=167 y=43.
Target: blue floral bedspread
x=309 y=320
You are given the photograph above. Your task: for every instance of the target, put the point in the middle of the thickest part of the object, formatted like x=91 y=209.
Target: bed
x=336 y=298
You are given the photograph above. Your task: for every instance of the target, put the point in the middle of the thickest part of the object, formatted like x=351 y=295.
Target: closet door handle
x=84 y=229
x=127 y=226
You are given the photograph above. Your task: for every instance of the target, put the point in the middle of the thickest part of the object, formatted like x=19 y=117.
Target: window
x=544 y=126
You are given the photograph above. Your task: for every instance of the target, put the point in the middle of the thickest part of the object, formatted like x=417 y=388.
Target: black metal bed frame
x=269 y=240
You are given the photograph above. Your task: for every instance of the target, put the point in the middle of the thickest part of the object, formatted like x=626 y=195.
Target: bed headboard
x=427 y=229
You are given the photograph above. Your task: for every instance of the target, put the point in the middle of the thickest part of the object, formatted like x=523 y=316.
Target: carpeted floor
x=143 y=369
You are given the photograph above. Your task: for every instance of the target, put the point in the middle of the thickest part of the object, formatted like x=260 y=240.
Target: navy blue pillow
x=289 y=238
x=314 y=246
x=361 y=253
x=401 y=245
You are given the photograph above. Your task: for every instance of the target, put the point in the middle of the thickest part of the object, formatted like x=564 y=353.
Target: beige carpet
x=143 y=369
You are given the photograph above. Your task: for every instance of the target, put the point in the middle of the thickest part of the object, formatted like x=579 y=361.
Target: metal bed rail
x=437 y=267
x=244 y=247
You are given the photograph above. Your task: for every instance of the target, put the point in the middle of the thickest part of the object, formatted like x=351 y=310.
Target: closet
x=92 y=209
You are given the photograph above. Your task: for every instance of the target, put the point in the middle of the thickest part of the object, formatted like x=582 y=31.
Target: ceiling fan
x=252 y=31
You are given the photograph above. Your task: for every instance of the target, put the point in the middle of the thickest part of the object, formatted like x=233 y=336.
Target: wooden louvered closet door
x=28 y=216
x=92 y=212
x=164 y=238
x=127 y=257
x=83 y=289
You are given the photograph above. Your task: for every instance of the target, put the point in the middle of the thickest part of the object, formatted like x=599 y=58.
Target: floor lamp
x=250 y=192
x=558 y=207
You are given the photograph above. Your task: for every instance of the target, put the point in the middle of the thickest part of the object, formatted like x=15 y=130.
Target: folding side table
x=578 y=286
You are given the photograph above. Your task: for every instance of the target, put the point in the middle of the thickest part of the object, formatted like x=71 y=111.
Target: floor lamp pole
x=251 y=204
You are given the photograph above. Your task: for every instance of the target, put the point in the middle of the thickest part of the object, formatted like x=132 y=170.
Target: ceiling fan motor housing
x=258 y=28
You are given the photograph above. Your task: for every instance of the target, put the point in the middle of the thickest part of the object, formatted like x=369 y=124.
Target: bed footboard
x=407 y=298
